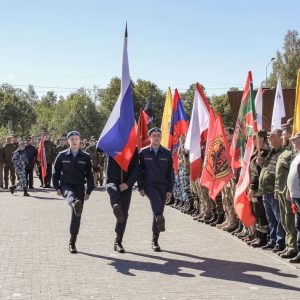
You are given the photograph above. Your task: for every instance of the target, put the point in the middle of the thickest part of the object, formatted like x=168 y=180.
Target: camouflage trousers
x=205 y=203
x=228 y=198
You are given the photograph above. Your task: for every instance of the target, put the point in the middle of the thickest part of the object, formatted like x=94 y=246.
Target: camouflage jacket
x=255 y=170
x=267 y=174
x=50 y=150
x=282 y=169
x=8 y=150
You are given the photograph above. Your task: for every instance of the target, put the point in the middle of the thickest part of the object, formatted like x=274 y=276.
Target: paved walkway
x=198 y=262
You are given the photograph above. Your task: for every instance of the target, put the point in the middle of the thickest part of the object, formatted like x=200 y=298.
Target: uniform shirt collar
x=152 y=150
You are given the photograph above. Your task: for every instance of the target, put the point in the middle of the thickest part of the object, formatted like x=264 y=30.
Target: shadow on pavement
x=208 y=267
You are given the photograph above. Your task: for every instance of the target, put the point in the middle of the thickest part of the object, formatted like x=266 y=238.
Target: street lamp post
x=272 y=59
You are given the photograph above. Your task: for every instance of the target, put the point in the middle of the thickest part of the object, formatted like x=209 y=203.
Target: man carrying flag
x=156 y=180
x=118 y=140
x=41 y=158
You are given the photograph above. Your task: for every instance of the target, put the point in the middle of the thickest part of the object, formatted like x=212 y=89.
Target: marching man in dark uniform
x=156 y=180
x=72 y=168
x=119 y=187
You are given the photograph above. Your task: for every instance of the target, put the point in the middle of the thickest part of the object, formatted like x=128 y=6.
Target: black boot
x=155 y=246
x=72 y=247
x=12 y=189
x=261 y=241
x=118 y=244
x=26 y=193
x=212 y=219
x=219 y=220
x=239 y=229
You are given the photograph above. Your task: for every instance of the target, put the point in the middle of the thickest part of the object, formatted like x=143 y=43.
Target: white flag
x=259 y=107
x=198 y=124
x=278 y=108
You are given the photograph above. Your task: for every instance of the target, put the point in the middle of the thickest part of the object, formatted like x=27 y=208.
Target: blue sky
x=175 y=43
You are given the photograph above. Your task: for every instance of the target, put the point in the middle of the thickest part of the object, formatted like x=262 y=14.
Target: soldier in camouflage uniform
x=286 y=214
x=50 y=150
x=63 y=145
x=8 y=149
x=95 y=159
x=261 y=222
x=1 y=165
x=19 y=160
x=267 y=187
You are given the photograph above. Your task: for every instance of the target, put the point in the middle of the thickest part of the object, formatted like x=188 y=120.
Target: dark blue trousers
x=157 y=196
x=124 y=199
x=70 y=193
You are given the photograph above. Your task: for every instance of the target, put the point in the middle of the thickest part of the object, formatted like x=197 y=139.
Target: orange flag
x=41 y=157
x=217 y=171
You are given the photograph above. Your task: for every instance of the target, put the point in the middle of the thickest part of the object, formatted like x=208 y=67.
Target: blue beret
x=154 y=129
x=72 y=133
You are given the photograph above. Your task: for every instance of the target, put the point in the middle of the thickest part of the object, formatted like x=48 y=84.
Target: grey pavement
x=198 y=262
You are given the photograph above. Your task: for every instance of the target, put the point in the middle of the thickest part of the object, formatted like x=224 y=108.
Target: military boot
x=118 y=244
x=232 y=223
x=12 y=189
x=155 y=245
x=25 y=192
x=219 y=220
x=72 y=246
x=224 y=224
x=261 y=241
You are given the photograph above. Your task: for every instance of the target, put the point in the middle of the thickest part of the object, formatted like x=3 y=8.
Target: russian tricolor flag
x=118 y=138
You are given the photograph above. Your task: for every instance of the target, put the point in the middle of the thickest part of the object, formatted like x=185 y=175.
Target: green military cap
x=154 y=129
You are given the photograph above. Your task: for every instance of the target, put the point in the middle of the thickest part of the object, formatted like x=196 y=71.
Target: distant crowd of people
x=19 y=161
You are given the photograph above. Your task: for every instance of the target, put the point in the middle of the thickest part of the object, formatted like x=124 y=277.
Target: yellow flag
x=296 y=126
x=166 y=119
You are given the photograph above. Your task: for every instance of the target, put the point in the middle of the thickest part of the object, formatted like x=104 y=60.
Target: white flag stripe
x=278 y=108
x=259 y=107
x=199 y=123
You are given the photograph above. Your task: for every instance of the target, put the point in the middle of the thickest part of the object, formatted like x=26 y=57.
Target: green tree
x=188 y=98
x=77 y=112
x=143 y=89
x=15 y=110
x=287 y=62
x=221 y=105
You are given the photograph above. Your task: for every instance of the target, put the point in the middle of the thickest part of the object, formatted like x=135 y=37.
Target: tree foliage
x=287 y=63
